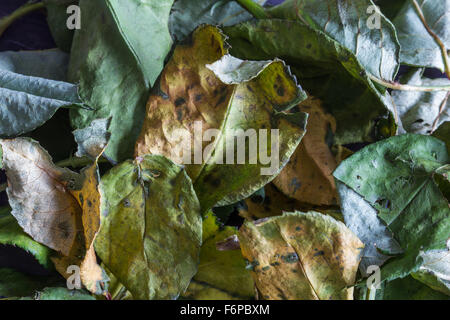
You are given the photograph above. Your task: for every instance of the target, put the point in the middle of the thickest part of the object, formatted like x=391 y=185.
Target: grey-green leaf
x=362 y=219
x=114 y=66
x=32 y=89
x=92 y=139
x=435 y=270
x=422 y=112
x=357 y=25
x=396 y=177
x=418 y=46
x=187 y=15
x=144 y=27
x=327 y=70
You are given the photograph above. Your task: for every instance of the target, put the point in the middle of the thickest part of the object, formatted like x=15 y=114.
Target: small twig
x=435 y=37
x=19 y=13
x=254 y=8
x=407 y=87
x=441 y=111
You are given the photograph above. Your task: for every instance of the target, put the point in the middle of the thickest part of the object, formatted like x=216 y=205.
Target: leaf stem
x=254 y=8
x=435 y=37
x=5 y=22
x=407 y=87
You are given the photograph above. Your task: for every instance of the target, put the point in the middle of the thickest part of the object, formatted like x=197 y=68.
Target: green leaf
x=327 y=70
x=418 y=46
x=187 y=15
x=221 y=273
x=305 y=256
x=357 y=25
x=12 y=234
x=396 y=177
x=150 y=234
x=16 y=284
x=443 y=133
x=136 y=20
x=57 y=20
x=409 y=289
x=422 y=112
x=32 y=89
x=114 y=63
x=234 y=99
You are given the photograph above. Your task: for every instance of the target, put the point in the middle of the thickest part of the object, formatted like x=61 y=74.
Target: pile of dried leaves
x=356 y=209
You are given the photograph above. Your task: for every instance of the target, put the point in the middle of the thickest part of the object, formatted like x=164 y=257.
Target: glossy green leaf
x=418 y=46
x=357 y=25
x=32 y=89
x=397 y=178
x=327 y=71
x=151 y=231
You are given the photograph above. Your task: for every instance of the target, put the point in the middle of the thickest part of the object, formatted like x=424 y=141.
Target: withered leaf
x=221 y=274
x=38 y=194
x=150 y=234
x=308 y=176
x=301 y=256
x=203 y=88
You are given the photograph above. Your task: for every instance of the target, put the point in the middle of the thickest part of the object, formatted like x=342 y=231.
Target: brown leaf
x=308 y=175
x=301 y=256
x=38 y=194
x=56 y=207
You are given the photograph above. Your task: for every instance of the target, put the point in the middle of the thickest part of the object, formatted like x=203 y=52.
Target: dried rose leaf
x=202 y=88
x=308 y=176
x=151 y=227
x=301 y=256
x=38 y=194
